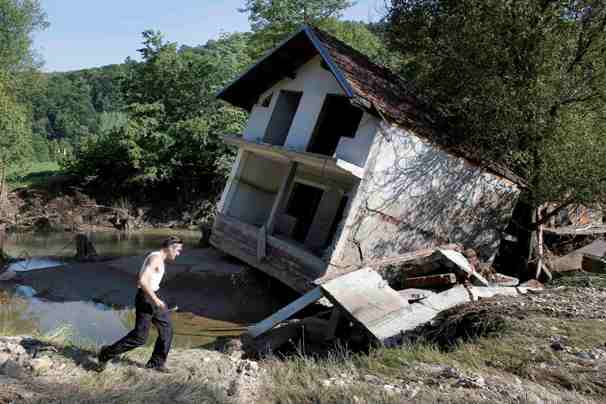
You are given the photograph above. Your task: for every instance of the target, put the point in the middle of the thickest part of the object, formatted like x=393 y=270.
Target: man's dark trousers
x=146 y=314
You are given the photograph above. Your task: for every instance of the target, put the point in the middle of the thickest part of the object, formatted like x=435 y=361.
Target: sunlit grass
x=34 y=174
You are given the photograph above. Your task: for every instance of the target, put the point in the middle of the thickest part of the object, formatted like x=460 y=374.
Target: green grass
x=35 y=174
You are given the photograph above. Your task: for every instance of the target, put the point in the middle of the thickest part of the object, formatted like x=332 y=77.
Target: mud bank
x=202 y=283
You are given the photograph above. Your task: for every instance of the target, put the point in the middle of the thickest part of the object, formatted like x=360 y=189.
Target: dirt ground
x=550 y=348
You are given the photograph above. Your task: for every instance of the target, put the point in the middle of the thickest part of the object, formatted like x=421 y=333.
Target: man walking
x=150 y=309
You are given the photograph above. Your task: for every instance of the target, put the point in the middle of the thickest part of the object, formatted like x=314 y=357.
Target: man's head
x=172 y=247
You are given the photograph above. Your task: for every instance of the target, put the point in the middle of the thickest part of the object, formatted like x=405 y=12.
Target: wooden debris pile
x=367 y=308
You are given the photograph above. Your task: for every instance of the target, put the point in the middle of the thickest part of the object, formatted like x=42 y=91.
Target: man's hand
x=161 y=305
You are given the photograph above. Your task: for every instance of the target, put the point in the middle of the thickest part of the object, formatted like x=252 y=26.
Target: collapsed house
x=341 y=166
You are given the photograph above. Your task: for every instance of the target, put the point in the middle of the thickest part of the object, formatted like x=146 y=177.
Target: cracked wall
x=415 y=195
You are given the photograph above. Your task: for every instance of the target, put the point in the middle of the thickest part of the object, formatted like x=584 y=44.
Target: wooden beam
x=462 y=265
x=285 y=312
x=262 y=243
x=431 y=281
x=280 y=200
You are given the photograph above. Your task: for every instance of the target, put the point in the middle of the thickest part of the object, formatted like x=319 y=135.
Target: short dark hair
x=171 y=240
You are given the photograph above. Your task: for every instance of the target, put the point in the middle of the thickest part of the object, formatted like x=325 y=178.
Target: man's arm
x=153 y=265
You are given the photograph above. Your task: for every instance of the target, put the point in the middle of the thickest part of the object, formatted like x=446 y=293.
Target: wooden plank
x=591 y=263
x=284 y=313
x=367 y=298
x=431 y=281
x=280 y=200
x=262 y=244
x=463 y=266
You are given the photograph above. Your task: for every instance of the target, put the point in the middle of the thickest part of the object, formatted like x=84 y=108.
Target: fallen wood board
x=574 y=260
x=367 y=298
x=431 y=281
x=285 y=312
x=463 y=266
x=593 y=264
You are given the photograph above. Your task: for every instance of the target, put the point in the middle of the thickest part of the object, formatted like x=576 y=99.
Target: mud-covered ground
x=535 y=348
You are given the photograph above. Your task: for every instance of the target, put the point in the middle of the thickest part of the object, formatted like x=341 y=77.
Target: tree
x=15 y=134
x=523 y=82
x=273 y=20
x=174 y=121
x=18 y=20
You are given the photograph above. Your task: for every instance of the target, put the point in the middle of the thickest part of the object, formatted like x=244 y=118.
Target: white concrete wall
x=255 y=191
x=415 y=195
x=355 y=150
x=315 y=82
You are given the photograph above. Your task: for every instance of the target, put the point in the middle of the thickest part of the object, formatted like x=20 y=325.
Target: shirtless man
x=150 y=309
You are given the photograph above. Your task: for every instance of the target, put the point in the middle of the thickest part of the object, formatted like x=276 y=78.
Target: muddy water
x=95 y=323
x=62 y=244
x=86 y=322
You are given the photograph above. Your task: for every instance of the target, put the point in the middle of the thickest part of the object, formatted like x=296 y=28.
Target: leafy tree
x=273 y=20
x=523 y=82
x=15 y=133
x=174 y=120
x=18 y=20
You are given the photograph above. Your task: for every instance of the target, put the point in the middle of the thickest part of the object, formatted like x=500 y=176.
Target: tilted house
x=341 y=166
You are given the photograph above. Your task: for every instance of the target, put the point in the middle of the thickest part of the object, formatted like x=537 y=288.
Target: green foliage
x=523 y=82
x=272 y=21
x=15 y=139
x=169 y=131
x=18 y=20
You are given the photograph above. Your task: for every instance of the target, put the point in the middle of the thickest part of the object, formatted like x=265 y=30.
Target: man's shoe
x=160 y=369
x=102 y=359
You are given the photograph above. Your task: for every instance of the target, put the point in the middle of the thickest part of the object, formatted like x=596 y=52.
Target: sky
x=86 y=33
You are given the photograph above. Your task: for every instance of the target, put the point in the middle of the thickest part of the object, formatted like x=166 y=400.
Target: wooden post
x=85 y=250
x=280 y=198
x=539 y=245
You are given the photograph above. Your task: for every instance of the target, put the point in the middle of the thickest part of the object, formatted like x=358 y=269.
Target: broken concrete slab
x=431 y=281
x=447 y=299
x=415 y=295
x=369 y=300
x=462 y=265
x=573 y=260
x=485 y=292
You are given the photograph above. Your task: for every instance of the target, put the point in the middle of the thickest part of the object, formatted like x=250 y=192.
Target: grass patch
x=34 y=175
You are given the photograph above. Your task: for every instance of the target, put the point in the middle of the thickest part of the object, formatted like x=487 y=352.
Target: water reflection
x=62 y=244
x=98 y=324
x=34 y=263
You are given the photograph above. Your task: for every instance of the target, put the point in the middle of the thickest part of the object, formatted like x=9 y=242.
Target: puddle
x=33 y=263
x=90 y=322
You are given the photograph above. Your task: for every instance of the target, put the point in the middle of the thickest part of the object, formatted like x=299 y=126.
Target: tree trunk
x=3 y=187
